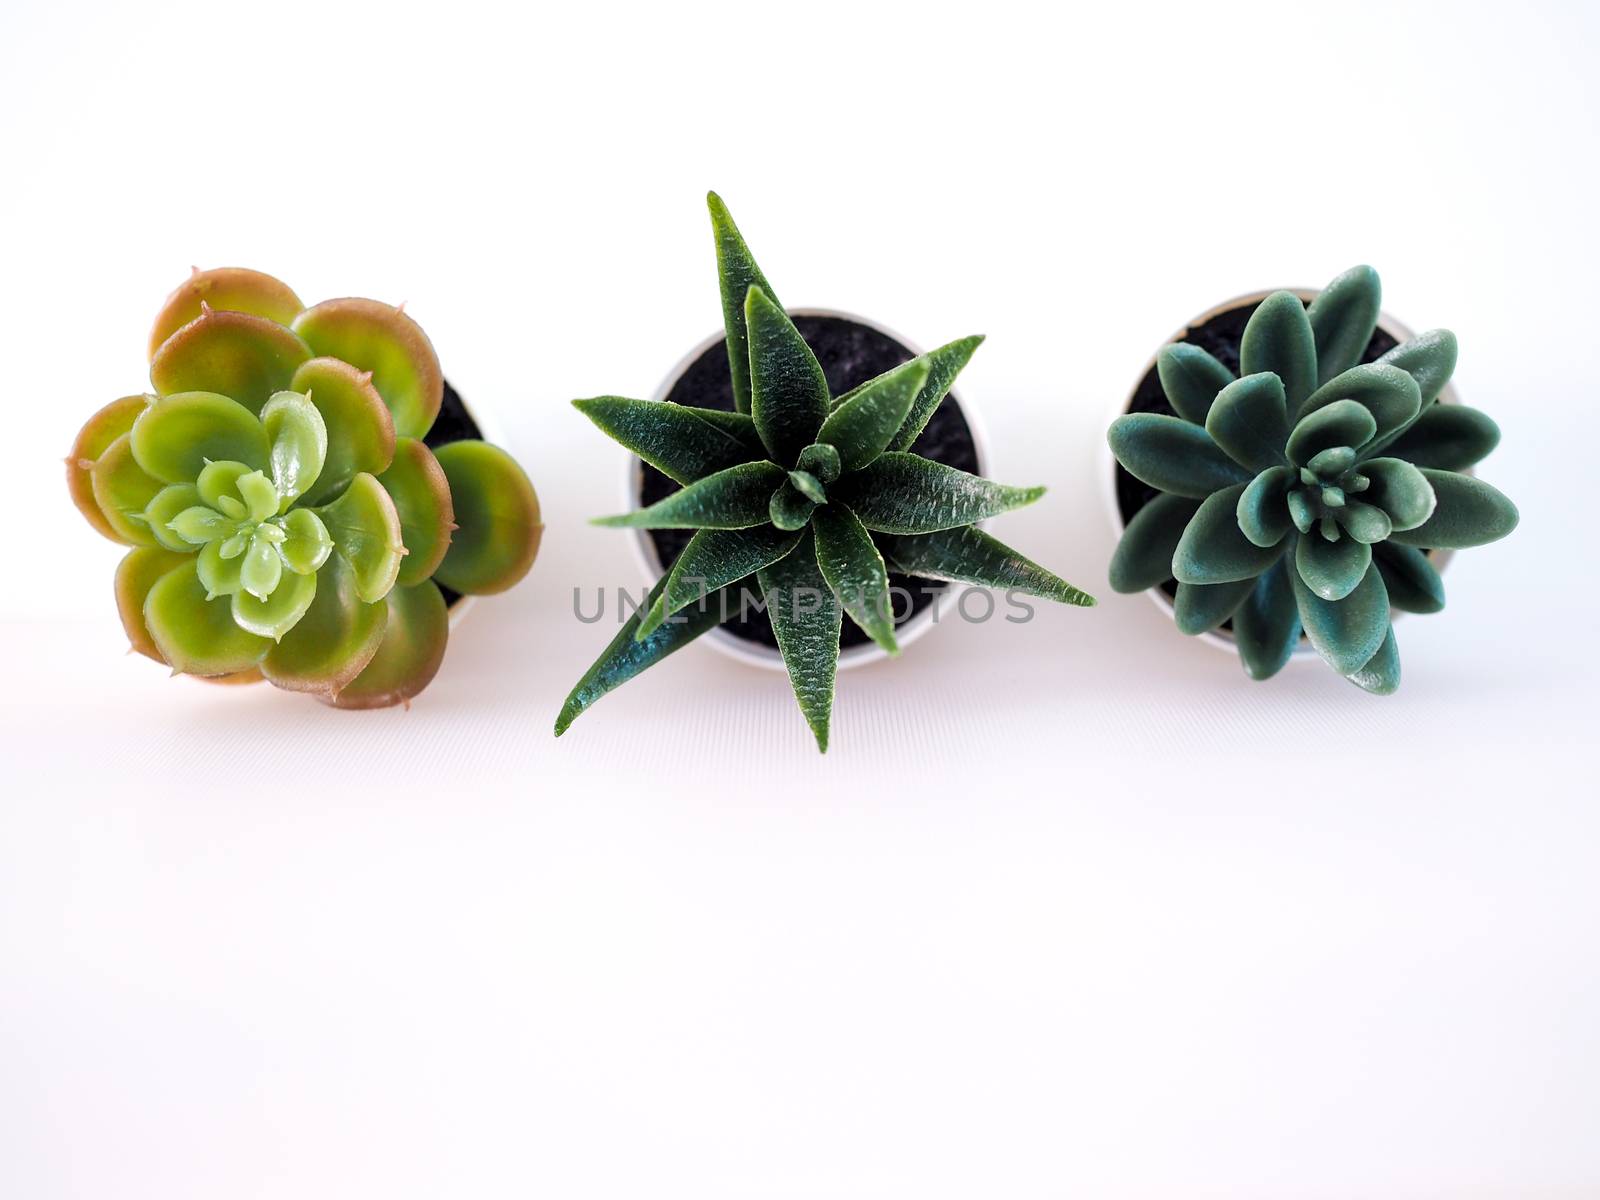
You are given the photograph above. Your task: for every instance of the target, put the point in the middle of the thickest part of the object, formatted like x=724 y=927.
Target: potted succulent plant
x=791 y=498
x=1289 y=467
x=303 y=494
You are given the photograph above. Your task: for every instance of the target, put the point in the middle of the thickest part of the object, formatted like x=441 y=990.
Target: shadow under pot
x=1219 y=333
x=851 y=351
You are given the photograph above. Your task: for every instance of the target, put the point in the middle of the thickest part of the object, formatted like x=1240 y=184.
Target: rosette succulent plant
x=1306 y=493
x=286 y=518
x=813 y=497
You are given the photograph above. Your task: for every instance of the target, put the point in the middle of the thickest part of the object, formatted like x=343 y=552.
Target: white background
x=1071 y=908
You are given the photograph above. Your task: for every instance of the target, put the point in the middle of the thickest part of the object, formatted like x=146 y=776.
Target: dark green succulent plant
x=814 y=497
x=286 y=519
x=1306 y=493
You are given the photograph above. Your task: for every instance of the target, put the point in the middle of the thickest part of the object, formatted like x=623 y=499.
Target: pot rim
x=1219 y=638
x=755 y=653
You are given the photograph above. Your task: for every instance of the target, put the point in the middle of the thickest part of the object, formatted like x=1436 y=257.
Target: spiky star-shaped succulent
x=286 y=519
x=1304 y=494
x=816 y=497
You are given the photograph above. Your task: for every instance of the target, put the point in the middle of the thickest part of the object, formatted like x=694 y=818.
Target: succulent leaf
x=809 y=486
x=822 y=462
x=788 y=392
x=1278 y=338
x=1381 y=674
x=1303 y=511
x=943 y=364
x=226 y=289
x=1191 y=379
x=1250 y=421
x=713 y=559
x=274 y=614
x=1429 y=358
x=201 y=525
x=1331 y=569
x=1401 y=490
x=737 y=273
x=260 y=496
x=1388 y=393
x=790 y=508
x=736 y=498
x=123 y=490
x=1448 y=437
x=1201 y=607
x=307 y=542
x=335 y=639
x=365 y=529
x=1263 y=512
x=1412 y=582
x=381 y=339
x=806 y=618
x=415 y=632
x=297 y=439
x=739 y=426
x=968 y=555
x=1213 y=549
x=259 y=571
x=1344 y=425
x=194 y=634
x=1266 y=625
x=625 y=657
x=1364 y=522
x=1346 y=632
x=1173 y=455
x=1468 y=512
x=416 y=483
x=220 y=576
x=1343 y=318
x=862 y=427
x=360 y=429
x=682 y=443
x=497 y=516
x=175 y=437
x=854 y=570
x=244 y=357
x=137 y=573
x=1143 y=557
x=218 y=481
x=160 y=512
x=906 y=493
x=96 y=436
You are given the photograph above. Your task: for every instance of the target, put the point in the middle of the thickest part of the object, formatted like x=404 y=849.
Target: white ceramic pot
x=1222 y=638
x=730 y=644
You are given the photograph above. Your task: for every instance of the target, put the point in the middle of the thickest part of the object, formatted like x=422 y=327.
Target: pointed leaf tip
x=788 y=391
x=737 y=272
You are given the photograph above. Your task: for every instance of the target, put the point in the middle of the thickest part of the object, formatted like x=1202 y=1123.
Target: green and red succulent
x=285 y=517
x=1305 y=493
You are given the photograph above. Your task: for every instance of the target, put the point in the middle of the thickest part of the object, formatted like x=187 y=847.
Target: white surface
x=1071 y=909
